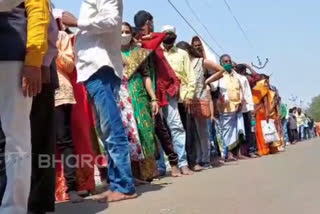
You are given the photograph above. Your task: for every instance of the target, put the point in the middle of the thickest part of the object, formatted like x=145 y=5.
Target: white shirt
x=248 y=104
x=98 y=42
x=8 y=5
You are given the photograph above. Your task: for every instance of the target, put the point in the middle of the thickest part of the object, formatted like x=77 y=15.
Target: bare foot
x=242 y=157
x=101 y=196
x=175 y=172
x=186 y=171
x=117 y=196
x=197 y=168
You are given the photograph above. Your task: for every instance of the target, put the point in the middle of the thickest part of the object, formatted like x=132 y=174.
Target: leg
x=203 y=132
x=172 y=116
x=42 y=194
x=103 y=89
x=189 y=126
x=163 y=135
x=66 y=148
x=15 y=123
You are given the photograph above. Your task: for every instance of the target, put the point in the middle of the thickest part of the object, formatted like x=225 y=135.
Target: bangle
x=154 y=100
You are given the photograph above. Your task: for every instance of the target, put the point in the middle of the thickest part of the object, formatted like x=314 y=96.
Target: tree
x=314 y=109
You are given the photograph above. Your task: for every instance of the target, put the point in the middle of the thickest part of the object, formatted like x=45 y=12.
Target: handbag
x=269 y=131
x=201 y=107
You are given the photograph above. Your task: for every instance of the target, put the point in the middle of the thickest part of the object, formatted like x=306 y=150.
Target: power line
x=238 y=23
x=190 y=25
x=204 y=26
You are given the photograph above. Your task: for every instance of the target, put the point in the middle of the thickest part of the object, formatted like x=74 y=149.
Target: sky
x=287 y=32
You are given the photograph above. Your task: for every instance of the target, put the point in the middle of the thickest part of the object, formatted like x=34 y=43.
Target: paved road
x=277 y=184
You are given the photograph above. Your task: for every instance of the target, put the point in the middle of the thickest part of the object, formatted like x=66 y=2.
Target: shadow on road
x=86 y=207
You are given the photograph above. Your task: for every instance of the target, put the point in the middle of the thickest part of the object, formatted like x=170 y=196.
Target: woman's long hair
x=190 y=49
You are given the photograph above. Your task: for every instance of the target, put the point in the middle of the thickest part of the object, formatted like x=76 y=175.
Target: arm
x=211 y=106
x=209 y=65
x=107 y=19
x=251 y=69
x=65 y=60
x=149 y=87
x=37 y=30
x=191 y=77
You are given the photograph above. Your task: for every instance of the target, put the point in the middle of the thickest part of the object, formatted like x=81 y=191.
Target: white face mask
x=126 y=39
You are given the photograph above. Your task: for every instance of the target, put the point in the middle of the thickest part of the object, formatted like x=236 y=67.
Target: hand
x=188 y=103
x=31 y=81
x=154 y=108
x=69 y=19
x=214 y=119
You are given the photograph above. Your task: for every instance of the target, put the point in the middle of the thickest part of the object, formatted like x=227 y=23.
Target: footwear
x=252 y=155
x=206 y=166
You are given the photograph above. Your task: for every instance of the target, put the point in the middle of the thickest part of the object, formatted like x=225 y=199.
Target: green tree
x=314 y=109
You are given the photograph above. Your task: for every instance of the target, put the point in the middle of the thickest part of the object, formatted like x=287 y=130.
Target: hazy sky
x=285 y=31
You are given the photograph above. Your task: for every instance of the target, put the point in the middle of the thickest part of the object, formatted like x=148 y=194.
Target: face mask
x=126 y=39
x=170 y=39
x=228 y=67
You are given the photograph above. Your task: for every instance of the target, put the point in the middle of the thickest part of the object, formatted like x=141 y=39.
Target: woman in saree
x=143 y=99
x=275 y=114
x=263 y=99
x=84 y=137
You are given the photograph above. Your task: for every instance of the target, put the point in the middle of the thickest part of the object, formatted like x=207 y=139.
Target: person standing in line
x=247 y=110
x=301 y=117
x=292 y=126
x=231 y=130
x=23 y=44
x=201 y=132
x=100 y=68
x=166 y=83
x=64 y=101
x=143 y=99
x=180 y=62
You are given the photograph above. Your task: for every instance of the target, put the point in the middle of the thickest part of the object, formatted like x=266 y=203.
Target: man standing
x=180 y=62
x=100 y=68
x=231 y=126
x=23 y=44
x=167 y=84
x=247 y=110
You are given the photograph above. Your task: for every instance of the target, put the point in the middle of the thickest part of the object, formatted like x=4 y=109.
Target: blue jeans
x=173 y=119
x=103 y=88
x=300 y=132
x=285 y=130
x=161 y=162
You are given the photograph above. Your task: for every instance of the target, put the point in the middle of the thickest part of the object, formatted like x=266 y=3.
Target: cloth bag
x=269 y=131
x=200 y=108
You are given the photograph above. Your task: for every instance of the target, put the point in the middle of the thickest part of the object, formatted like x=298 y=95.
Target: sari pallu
x=259 y=93
x=138 y=65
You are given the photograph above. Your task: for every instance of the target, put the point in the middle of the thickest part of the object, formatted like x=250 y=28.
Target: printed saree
x=137 y=67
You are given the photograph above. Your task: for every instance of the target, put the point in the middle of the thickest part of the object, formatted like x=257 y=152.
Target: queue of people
x=121 y=100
